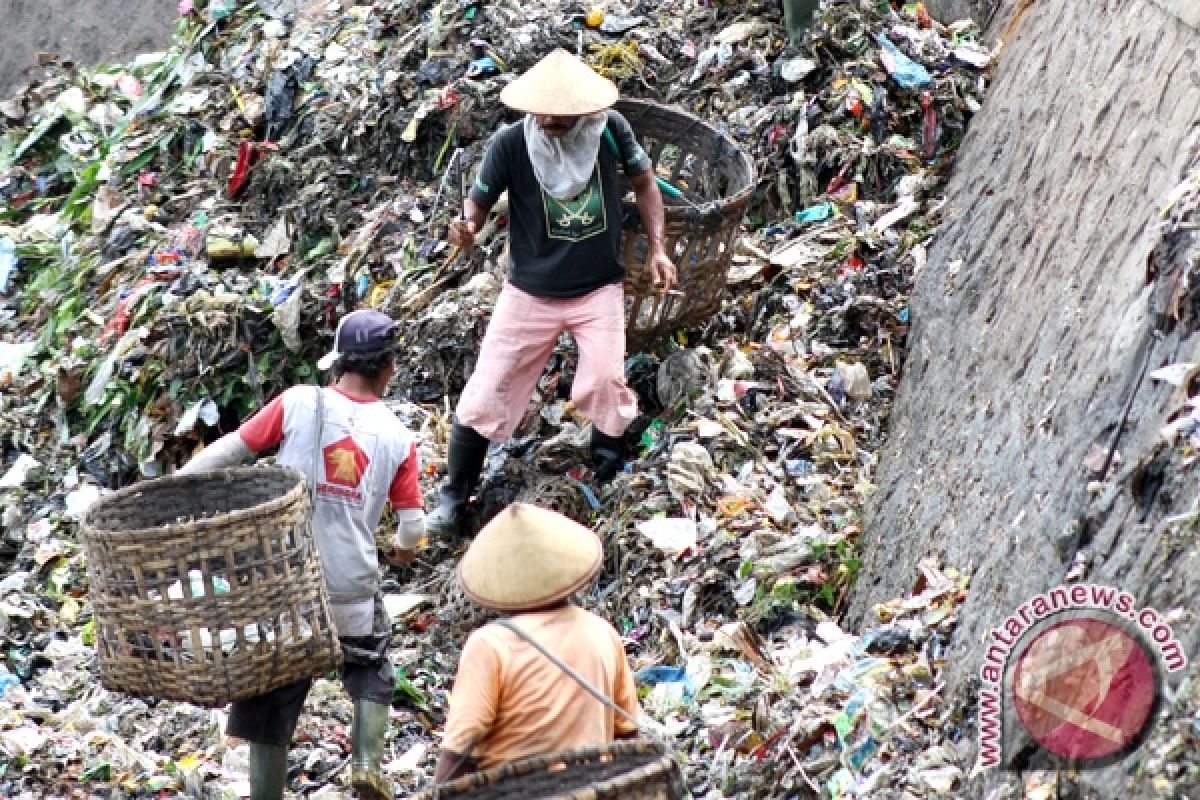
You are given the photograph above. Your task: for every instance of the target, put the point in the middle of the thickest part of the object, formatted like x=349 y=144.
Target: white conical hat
x=560 y=85
x=529 y=557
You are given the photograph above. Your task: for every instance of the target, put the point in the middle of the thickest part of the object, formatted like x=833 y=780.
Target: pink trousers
x=521 y=336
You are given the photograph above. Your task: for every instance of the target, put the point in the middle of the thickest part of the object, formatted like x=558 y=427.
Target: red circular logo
x=1084 y=688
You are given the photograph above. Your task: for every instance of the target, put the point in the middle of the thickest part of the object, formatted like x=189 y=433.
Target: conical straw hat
x=560 y=85
x=528 y=557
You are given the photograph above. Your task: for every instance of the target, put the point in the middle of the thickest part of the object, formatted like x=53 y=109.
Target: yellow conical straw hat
x=560 y=85
x=528 y=557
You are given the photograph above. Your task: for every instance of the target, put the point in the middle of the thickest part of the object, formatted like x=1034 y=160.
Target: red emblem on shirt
x=345 y=462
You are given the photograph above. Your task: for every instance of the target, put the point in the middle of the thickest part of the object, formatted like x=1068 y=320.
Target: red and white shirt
x=367 y=458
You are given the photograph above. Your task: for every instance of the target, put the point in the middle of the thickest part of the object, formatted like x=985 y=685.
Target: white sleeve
x=410 y=528
x=228 y=451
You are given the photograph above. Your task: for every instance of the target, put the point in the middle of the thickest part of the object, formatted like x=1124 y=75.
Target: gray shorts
x=367 y=674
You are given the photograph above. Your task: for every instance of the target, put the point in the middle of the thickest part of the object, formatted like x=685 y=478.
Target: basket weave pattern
x=717 y=180
x=631 y=770
x=207 y=588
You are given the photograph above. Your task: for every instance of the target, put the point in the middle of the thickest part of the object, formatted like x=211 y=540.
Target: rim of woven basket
x=225 y=475
x=537 y=764
x=703 y=211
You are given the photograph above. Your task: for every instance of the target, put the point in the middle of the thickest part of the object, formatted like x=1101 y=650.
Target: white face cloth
x=563 y=165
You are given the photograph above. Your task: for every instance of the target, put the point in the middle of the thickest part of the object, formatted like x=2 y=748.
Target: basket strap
x=316 y=462
x=582 y=681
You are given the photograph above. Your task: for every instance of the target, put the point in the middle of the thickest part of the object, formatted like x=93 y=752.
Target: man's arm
x=404 y=495
x=624 y=692
x=259 y=433
x=486 y=189
x=473 y=705
x=650 y=209
x=228 y=451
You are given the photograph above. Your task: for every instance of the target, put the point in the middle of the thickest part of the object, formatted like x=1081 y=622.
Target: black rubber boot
x=608 y=456
x=465 y=453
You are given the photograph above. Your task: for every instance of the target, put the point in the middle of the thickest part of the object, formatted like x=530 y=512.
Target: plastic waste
x=7 y=680
x=907 y=73
x=8 y=262
x=817 y=213
x=18 y=473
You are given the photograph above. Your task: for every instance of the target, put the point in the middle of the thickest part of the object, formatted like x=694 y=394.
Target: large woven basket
x=717 y=180
x=632 y=770
x=207 y=588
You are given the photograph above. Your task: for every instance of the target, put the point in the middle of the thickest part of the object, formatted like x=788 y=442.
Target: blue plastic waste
x=818 y=213
x=904 y=71
x=483 y=67
x=7 y=679
x=652 y=676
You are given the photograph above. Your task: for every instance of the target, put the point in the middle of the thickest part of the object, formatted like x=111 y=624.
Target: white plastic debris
x=12 y=358
x=1175 y=374
x=204 y=410
x=797 y=69
x=855 y=380
x=672 y=535
x=777 y=506
x=690 y=469
x=18 y=473
x=81 y=499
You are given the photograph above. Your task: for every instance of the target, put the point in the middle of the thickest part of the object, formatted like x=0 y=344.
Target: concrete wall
x=987 y=13
x=1034 y=324
x=86 y=31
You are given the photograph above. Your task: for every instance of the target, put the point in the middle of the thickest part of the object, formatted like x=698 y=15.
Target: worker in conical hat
x=510 y=700
x=559 y=165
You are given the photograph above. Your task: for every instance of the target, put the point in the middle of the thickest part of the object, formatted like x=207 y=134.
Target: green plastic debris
x=406 y=693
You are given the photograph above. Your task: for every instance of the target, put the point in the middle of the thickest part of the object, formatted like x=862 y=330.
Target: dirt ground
x=86 y=31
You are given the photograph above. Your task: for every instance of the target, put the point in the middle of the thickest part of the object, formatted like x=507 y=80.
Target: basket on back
x=630 y=770
x=716 y=179
x=207 y=588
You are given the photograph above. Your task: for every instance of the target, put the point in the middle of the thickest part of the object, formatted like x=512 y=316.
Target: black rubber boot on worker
x=465 y=453
x=366 y=751
x=608 y=456
x=268 y=771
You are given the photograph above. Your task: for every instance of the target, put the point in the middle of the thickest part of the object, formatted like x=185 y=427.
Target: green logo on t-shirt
x=580 y=217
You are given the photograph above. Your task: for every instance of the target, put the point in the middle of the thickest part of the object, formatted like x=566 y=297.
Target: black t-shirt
x=560 y=248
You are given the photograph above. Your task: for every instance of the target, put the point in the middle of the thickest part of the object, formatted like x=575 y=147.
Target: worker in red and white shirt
x=365 y=458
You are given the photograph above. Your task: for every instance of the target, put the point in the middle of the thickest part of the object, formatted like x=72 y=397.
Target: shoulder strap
x=610 y=139
x=316 y=462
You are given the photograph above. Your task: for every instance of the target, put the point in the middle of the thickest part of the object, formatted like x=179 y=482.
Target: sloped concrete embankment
x=84 y=31
x=1054 y=288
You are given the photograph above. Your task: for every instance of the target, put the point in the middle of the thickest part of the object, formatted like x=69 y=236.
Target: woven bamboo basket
x=207 y=588
x=631 y=770
x=717 y=180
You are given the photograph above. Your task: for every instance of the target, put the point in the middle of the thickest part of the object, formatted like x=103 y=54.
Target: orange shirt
x=510 y=701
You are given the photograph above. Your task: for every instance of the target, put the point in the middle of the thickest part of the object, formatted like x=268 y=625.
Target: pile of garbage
x=179 y=236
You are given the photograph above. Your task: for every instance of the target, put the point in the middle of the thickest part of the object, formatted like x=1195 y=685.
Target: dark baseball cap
x=365 y=331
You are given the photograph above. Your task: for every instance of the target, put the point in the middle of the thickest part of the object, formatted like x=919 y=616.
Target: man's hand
x=462 y=233
x=663 y=270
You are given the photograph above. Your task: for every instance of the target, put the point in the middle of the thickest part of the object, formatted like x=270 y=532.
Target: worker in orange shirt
x=511 y=701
